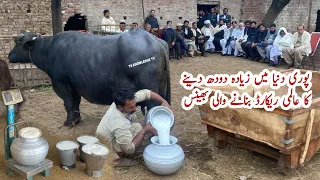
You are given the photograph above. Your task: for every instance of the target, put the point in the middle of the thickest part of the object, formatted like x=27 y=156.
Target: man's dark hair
x=247 y=21
x=300 y=25
x=152 y=10
x=169 y=22
x=186 y=21
x=253 y=22
x=259 y=26
x=194 y=23
x=234 y=22
x=122 y=23
x=225 y=9
x=106 y=11
x=135 y=23
x=120 y=97
x=273 y=25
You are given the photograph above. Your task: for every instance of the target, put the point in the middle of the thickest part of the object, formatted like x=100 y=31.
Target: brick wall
x=167 y=9
x=295 y=13
x=14 y=16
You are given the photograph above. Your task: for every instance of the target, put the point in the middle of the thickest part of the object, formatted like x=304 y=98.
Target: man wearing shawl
x=300 y=47
x=170 y=36
x=200 y=38
x=236 y=35
x=208 y=31
x=180 y=39
x=283 y=40
x=107 y=23
x=189 y=38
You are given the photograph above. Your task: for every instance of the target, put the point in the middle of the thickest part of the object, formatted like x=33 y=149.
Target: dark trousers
x=176 y=47
x=245 y=48
x=217 y=45
x=201 y=45
x=254 y=52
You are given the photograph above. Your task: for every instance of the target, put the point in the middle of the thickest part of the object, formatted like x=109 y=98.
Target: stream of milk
x=162 y=124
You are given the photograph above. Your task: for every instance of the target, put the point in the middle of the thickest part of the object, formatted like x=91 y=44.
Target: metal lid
x=30 y=133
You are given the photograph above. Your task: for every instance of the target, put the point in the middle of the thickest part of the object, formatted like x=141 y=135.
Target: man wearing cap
x=208 y=31
x=107 y=23
x=180 y=39
x=119 y=126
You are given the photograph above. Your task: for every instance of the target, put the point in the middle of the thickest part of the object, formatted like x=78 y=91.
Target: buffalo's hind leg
x=65 y=93
x=76 y=108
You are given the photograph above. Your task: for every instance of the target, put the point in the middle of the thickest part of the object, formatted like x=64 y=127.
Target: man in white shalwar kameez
x=106 y=21
x=237 y=34
x=283 y=40
x=208 y=30
x=226 y=48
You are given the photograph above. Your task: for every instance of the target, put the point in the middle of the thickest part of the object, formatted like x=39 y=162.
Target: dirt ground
x=43 y=109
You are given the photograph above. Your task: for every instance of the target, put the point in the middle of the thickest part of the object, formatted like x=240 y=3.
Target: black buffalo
x=94 y=67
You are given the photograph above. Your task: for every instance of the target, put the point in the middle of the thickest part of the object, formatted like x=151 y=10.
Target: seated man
x=147 y=27
x=116 y=126
x=261 y=35
x=238 y=51
x=200 y=38
x=170 y=36
x=180 y=39
x=283 y=40
x=225 y=42
x=237 y=35
x=218 y=35
x=189 y=38
x=122 y=28
x=134 y=26
x=265 y=47
x=300 y=47
x=251 y=33
x=208 y=31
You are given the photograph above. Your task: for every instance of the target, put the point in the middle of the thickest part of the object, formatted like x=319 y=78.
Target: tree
x=56 y=16
x=274 y=11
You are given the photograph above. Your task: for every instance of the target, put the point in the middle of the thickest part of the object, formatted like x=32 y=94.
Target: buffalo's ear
x=30 y=41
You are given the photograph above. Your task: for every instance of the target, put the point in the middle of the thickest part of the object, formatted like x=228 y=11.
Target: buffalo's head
x=23 y=43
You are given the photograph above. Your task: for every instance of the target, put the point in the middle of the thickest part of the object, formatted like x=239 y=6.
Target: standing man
x=265 y=47
x=153 y=22
x=213 y=17
x=201 y=19
x=300 y=47
x=225 y=16
x=107 y=23
x=118 y=128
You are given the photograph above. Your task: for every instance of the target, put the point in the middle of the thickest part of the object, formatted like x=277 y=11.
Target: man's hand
x=150 y=129
x=155 y=29
x=253 y=45
x=200 y=37
x=166 y=104
x=240 y=40
x=265 y=42
x=291 y=51
x=173 y=43
x=193 y=38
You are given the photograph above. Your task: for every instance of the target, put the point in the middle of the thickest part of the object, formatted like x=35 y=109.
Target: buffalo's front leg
x=65 y=93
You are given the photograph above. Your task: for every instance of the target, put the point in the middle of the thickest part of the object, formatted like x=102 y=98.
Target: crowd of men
x=218 y=33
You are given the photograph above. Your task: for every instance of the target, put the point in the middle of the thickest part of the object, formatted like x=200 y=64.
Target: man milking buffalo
x=94 y=67
x=119 y=126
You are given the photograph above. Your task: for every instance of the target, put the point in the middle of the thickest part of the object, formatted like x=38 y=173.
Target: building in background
x=35 y=15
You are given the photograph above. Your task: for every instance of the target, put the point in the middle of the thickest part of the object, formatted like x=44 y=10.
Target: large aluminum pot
x=30 y=148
